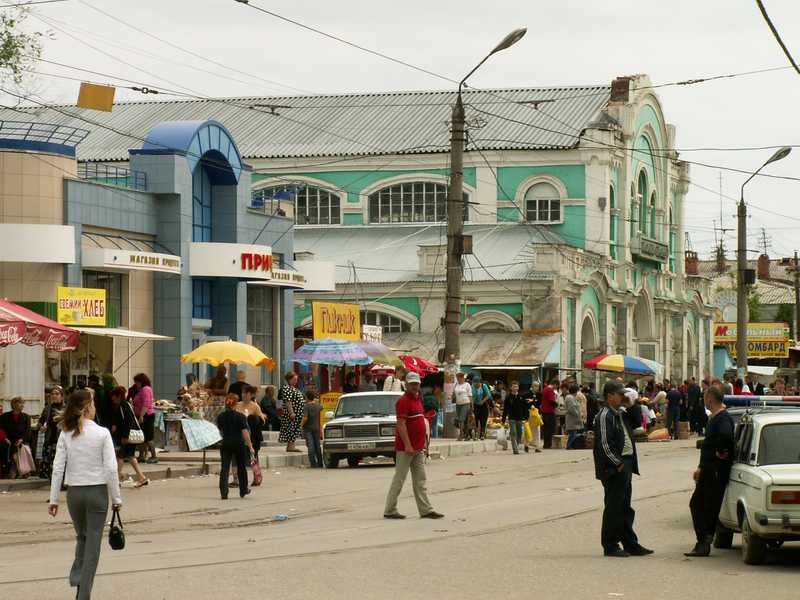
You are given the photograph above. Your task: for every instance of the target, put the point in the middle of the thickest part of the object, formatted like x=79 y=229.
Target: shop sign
x=290 y=278
x=81 y=306
x=328 y=402
x=217 y=259
x=336 y=321
x=726 y=332
x=763 y=349
x=256 y=262
x=650 y=249
x=113 y=258
x=372 y=333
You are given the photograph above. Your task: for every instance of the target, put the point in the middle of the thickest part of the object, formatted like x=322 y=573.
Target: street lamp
x=455 y=210
x=741 y=270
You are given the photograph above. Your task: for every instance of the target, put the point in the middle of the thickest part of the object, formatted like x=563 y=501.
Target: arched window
x=612 y=223
x=313 y=205
x=411 y=202
x=641 y=198
x=202 y=225
x=543 y=204
x=653 y=215
x=632 y=211
x=390 y=324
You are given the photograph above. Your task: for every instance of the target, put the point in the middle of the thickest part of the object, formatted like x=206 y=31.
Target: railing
x=112 y=175
x=42 y=132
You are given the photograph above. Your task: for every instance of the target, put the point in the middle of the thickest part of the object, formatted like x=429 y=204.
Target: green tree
x=19 y=49
x=786 y=315
x=754 y=307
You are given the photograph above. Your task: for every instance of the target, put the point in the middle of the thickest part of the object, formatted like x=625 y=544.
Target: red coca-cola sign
x=20 y=325
x=11 y=332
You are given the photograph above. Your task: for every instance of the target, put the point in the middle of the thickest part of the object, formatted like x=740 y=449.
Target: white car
x=762 y=500
x=363 y=425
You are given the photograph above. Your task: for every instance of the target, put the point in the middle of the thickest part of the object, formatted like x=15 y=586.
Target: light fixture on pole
x=743 y=277
x=455 y=211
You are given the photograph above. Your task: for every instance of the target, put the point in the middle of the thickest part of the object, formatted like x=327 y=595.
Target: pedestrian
x=17 y=427
x=86 y=463
x=481 y=398
x=255 y=418
x=292 y=404
x=712 y=474
x=367 y=384
x=310 y=424
x=218 y=385
x=145 y=409
x=697 y=411
x=396 y=382
x=548 y=412
x=615 y=463
x=270 y=408
x=758 y=387
x=235 y=444
x=430 y=404
x=516 y=409
x=123 y=420
x=411 y=441
x=350 y=386
x=674 y=401
x=592 y=407
x=238 y=387
x=573 y=421
x=462 y=395
x=49 y=430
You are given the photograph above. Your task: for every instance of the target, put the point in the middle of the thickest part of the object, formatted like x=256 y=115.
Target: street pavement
x=522 y=526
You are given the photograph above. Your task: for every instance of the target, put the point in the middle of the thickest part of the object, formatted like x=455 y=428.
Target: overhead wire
x=777 y=35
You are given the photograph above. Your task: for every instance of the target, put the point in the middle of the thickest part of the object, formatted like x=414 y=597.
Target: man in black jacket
x=516 y=409
x=615 y=463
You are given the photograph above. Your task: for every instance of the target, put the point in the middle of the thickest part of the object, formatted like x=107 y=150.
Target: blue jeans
x=673 y=416
x=517 y=429
x=314 y=448
x=435 y=425
x=571 y=435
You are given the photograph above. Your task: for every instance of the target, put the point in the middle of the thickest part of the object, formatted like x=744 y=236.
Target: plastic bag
x=528 y=432
x=26 y=464
x=502 y=436
x=535 y=419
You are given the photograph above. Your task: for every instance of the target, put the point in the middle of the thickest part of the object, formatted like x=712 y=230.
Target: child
x=310 y=425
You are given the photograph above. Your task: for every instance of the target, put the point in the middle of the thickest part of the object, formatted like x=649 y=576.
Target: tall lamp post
x=741 y=271
x=455 y=211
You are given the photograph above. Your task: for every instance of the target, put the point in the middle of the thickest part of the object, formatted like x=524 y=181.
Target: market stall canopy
x=124 y=333
x=761 y=370
x=619 y=363
x=217 y=353
x=520 y=349
x=418 y=365
x=20 y=325
x=379 y=353
x=330 y=352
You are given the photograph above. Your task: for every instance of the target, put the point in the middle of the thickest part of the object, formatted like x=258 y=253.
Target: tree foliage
x=754 y=307
x=19 y=49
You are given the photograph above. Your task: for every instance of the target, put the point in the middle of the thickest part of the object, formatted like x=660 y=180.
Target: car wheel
x=754 y=549
x=331 y=461
x=352 y=461
x=723 y=539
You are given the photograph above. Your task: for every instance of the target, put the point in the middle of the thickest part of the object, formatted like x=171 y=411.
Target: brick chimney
x=692 y=263
x=621 y=89
x=763 y=267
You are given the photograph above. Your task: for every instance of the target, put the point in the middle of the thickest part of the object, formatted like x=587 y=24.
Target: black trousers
x=481 y=418
x=548 y=429
x=706 y=501
x=618 y=514
x=228 y=452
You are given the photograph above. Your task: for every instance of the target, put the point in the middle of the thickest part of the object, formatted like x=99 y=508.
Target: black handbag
x=116 y=536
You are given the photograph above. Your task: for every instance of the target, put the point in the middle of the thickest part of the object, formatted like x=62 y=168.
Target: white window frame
x=393 y=323
x=410 y=197
x=332 y=197
x=561 y=190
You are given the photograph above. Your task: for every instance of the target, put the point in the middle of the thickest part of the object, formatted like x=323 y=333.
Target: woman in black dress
x=293 y=404
x=123 y=420
x=50 y=431
x=17 y=426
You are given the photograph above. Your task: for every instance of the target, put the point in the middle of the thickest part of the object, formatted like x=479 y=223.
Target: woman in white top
x=86 y=462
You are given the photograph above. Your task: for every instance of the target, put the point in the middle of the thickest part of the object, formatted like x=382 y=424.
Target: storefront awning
x=500 y=350
x=119 y=253
x=124 y=333
x=20 y=325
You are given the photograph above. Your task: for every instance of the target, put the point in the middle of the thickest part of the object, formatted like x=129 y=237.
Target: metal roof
x=388 y=254
x=344 y=125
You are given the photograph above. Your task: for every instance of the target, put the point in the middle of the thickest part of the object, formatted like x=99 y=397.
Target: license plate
x=361 y=446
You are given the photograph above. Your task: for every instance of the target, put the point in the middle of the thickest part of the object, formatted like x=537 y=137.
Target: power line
x=31 y=3
x=777 y=35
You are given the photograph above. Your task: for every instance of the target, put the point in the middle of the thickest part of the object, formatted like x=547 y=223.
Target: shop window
x=412 y=202
x=389 y=323
x=313 y=205
x=201 y=299
x=202 y=219
x=259 y=318
x=543 y=204
x=112 y=284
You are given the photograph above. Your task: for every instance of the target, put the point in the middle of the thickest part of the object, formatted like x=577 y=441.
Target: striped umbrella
x=330 y=352
x=619 y=363
x=418 y=365
x=379 y=353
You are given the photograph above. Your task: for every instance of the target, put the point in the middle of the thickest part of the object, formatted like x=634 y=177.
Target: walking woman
x=293 y=405
x=122 y=421
x=145 y=408
x=49 y=431
x=85 y=461
x=235 y=443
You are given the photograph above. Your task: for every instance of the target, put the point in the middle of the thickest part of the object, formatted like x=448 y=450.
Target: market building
x=574 y=198
x=168 y=239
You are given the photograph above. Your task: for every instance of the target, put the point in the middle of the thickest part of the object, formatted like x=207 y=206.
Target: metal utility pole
x=455 y=212
x=742 y=280
x=796 y=300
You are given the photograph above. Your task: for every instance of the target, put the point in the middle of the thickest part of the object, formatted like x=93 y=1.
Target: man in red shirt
x=548 y=411
x=411 y=439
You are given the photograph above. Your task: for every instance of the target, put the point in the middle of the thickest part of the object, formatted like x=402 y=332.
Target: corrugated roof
x=388 y=254
x=779 y=269
x=342 y=125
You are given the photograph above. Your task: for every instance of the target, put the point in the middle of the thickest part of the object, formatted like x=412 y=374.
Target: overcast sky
x=569 y=42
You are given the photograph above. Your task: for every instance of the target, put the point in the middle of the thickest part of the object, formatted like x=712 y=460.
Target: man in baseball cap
x=615 y=462
x=411 y=439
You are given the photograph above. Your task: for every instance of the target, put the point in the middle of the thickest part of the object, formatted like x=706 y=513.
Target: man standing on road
x=615 y=463
x=462 y=393
x=697 y=411
x=711 y=476
x=548 y=410
x=674 y=401
x=516 y=408
x=411 y=439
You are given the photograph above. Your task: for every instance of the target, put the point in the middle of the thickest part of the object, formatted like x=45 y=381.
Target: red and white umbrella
x=418 y=365
x=381 y=371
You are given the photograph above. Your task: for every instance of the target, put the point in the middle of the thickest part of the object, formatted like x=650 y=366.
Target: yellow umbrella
x=216 y=353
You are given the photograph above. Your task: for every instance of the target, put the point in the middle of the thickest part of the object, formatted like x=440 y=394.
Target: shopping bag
x=528 y=433
x=258 y=476
x=26 y=464
x=535 y=418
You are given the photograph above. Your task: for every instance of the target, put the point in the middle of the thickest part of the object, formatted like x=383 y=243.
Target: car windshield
x=780 y=444
x=366 y=404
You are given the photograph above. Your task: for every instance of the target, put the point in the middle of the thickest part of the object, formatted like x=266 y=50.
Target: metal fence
x=112 y=175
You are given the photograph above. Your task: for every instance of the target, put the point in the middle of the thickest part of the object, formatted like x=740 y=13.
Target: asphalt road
x=521 y=527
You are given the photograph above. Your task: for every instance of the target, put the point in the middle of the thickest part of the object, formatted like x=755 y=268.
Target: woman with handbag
x=126 y=433
x=49 y=430
x=86 y=462
x=17 y=425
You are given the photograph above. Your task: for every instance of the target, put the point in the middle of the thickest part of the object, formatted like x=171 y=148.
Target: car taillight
x=786 y=497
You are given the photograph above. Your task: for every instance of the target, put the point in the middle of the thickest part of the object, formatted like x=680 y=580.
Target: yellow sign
x=96 y=97
x=726 y=332
x=763 y=349
x=81 y=306
x=328 y=402
x=336 y=321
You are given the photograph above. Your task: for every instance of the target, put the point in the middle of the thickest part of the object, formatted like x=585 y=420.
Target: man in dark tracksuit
x=711 y=476
x=615 y=463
